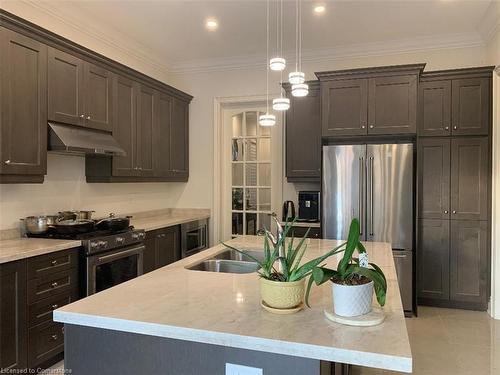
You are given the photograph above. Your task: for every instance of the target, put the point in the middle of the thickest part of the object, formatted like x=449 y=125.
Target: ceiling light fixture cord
x=300 y=34
x=296 y=35
x=281 y=44
x=267 y=58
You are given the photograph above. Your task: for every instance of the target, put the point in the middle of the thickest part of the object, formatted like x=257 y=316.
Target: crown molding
x=490 y=23
x=394 y=47
x=103 y=36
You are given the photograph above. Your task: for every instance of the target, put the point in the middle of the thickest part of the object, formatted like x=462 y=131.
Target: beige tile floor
x=451 y=342
x=443 y=342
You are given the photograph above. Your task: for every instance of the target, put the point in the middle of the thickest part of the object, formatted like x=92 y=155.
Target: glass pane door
x=250 y=174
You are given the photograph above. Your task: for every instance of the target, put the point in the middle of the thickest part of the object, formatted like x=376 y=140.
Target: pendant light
x=278 y=63
x=297 y=78
x=281 y=103
x=268 y=119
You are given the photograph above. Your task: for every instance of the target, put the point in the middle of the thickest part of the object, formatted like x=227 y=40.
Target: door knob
x=446 y=128
x=371 y=126
x=82 y=116
x=88 y=117
x=362 y=126
x=445 y=211
x=455 y=127
x=454 y=211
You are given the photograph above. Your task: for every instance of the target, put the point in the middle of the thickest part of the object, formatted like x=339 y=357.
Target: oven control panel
x=114 y=241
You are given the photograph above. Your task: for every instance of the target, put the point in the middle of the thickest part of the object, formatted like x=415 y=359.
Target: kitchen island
x=180 y=321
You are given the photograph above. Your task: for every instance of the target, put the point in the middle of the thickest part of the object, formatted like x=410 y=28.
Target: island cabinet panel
x=303 y=132
x=392 y=105
x=13 y=316
x=124 y=127
x=144 y=131
x=344 y=107
x=434 y=178
x=471 y=101
x=434 y=108
x=433 y=259
x=469 y=262
x=161 y=129
x=162 y=248
x=23 y=108
x=179 y=140
x=469 y=178
x=99 y=97
x=65 y=91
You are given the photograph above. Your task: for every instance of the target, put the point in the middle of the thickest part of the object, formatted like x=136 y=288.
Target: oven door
x=112 y=268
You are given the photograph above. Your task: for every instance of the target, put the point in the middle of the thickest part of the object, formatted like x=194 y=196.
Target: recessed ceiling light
x=211 y=24
x=320 y=8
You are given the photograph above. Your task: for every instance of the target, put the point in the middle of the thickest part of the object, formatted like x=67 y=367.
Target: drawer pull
x=54 y=284
x=54 y=262
x=55 y=306
x=54 y=337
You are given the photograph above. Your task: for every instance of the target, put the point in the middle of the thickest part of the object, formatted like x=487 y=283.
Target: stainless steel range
x=113 y=259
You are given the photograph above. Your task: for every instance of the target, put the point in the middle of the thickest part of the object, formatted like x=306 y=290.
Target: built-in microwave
x=194 y=237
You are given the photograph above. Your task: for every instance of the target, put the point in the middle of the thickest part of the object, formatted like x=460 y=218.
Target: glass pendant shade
x=300 y=89
x=281 y=104
x=267 y=120
x=277 y=64
x=296 y=78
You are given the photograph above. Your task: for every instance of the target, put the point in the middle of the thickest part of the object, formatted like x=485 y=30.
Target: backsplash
x=65 y=188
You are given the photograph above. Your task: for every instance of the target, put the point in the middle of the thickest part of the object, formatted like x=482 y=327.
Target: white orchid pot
x=352 y=300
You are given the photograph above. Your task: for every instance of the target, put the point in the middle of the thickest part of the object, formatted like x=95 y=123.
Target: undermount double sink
x=229 y=261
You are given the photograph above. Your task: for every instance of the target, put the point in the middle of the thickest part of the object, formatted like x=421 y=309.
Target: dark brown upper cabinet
x=469 y=262
x=392 y=105
x=434 y=178
x=433 y=259
x=79 y=93
x=144 y=131
x=370 y=101
x=469 y=178
x=179 y=140
x=98 y=85
x=13 y=316
x=124 y=128
x=455 y=102
x=23 y=108
x=345 y=107
x=65 y=94
x=471 y=98
x=162 y=126
x=303 y=132
x=434 y=108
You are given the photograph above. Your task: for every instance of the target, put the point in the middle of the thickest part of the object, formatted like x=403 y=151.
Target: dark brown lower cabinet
x=13 y=316
x=30 y=290
x=469 y=262
x=453 y=263
x=162 y=248
x=434 y=259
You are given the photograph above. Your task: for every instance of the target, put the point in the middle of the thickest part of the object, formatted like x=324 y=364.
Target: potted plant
x=282 y=278
x=354 y=279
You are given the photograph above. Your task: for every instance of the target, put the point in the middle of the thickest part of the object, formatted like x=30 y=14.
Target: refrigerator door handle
x=371 y=195
x=361 y=194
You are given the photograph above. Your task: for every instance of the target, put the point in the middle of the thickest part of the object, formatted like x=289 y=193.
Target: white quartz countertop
x=224 y=309
x=20 y=248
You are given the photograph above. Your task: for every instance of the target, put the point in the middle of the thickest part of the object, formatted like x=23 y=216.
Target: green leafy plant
x=291 y=268
x=349 y=271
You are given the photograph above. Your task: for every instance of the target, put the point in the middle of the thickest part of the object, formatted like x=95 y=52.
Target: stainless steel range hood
x=75 y=140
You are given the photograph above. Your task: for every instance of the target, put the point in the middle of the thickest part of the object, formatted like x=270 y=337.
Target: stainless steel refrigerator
x=372 y=182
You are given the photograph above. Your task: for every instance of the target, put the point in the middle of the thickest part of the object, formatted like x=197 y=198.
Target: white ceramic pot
x=352 y=300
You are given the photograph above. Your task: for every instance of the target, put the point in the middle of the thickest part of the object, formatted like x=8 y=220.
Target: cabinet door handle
x=445 y=211
x=82 y=116
x=371 y=126
x=455 y=127
x=54 y=337
x=55 y=306
x=88 y=117
x=7 y=161
x=446 y=128
x=454 y=211
x=363 y=126
x=54 y=284
x=54 y=262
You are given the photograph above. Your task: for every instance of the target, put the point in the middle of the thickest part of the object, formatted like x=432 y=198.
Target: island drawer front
x=41 y=311
x=299 y=232
x=50 y=263
x=52 y=284
x=45 y=341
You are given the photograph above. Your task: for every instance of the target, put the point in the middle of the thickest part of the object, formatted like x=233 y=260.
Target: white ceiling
x=173 y=32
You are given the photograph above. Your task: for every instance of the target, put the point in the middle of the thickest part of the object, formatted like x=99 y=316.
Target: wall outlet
x=232 y=369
